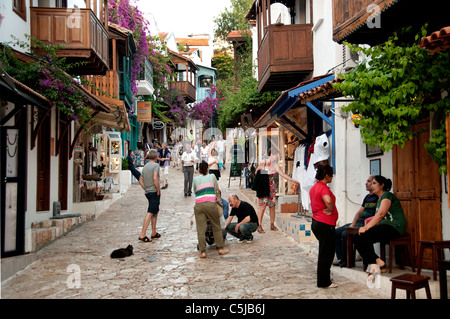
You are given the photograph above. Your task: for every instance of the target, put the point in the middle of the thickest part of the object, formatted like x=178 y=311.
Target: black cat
x=122 y=252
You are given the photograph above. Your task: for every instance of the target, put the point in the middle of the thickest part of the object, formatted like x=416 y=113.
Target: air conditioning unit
x=350 y=59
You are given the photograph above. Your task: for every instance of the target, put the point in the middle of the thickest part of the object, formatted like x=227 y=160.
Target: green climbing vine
x=396 y=87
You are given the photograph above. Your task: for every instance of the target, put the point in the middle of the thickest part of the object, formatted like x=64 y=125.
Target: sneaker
x=249 y=241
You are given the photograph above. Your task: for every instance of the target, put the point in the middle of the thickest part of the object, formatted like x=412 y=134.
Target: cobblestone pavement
x=273 y=266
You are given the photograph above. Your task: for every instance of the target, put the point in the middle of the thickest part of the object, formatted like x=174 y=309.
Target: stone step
x=44 y=232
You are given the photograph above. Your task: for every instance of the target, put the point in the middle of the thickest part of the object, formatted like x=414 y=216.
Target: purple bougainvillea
x=205 y=109
x=126 y=14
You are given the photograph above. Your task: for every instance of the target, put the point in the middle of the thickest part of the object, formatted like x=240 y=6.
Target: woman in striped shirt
x=206 y=209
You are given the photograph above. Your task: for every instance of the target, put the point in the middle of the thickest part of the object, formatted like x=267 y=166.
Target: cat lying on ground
x=122 y=252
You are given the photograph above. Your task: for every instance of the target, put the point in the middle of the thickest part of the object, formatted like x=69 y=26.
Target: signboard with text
x=144 y=111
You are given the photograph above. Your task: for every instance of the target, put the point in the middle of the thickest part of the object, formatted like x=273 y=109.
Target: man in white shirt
x=188 y=160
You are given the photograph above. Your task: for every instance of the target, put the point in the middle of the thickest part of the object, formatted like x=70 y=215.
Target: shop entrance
x=13 y=188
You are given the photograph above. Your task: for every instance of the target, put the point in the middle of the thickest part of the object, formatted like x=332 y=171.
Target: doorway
x=13 y=187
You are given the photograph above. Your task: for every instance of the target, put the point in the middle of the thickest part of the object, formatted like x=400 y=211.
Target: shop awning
x=116 y=118
x=107 y=113
x=20 y=94
x=289 y=105
x=289 y=98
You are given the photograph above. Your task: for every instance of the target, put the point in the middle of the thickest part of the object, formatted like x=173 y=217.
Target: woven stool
x=410 y=283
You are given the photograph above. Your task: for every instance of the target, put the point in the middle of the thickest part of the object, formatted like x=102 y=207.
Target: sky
x=182 y=17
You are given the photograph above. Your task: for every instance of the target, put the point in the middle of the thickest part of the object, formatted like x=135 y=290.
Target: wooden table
x=350 y=257
x=444 y=265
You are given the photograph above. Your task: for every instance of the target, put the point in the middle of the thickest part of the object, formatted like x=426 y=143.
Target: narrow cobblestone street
x=273 y=266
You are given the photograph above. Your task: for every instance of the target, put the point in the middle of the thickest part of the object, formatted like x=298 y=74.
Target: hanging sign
x=144 y=111
x=158 y=125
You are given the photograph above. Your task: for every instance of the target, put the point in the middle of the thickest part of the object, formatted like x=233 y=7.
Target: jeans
x=245 y=230
x=188 y=177
x=135 y=172
x=341 y=241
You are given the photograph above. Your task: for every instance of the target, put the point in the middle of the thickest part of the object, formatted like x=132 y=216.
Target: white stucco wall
x=13 y=23
x=31 y=214
x=352 y=166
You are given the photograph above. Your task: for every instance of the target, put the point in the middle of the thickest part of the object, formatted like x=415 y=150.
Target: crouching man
x=247 y=219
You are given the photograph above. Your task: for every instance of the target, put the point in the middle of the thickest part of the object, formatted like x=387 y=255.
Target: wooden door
x=417 y=184
x=43 y=166
x=63 y=167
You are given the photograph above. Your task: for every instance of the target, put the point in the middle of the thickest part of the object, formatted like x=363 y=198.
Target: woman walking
x=206 y=209
x=325 y=215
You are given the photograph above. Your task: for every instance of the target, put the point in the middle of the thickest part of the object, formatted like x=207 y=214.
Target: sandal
x=261 y=230
x=145 y=239
x=203 y=255
x=272 y=227
x=223 y=251
x=157 y=235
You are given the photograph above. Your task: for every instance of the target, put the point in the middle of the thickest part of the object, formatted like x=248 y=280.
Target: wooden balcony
x=85 y=38
x=105 y=87
x=186 y=89
x=285 y=56
x=373 y=22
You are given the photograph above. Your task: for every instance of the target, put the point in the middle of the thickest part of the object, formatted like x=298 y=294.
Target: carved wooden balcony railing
x=84 y=37
x=285 y=56
x=186 y=89
x=106 y=87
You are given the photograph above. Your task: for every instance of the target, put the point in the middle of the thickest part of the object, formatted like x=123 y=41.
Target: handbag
x=261 y=184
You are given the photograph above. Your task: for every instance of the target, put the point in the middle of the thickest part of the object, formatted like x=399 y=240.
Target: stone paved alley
x=273 y=266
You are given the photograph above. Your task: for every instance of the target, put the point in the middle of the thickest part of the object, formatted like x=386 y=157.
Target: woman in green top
x=388 y=223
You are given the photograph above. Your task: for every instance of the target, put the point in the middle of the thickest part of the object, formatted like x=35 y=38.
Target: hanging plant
x=178 y=107
x=205 y=109
x=48 y=75
x=396 y=88
x=126 y=14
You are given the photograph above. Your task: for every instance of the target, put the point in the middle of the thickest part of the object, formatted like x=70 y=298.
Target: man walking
x=188 y=160
x=247 y=219
x=149 y=181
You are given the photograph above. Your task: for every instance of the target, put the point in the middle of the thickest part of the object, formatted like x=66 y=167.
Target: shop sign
x=144 y=111
x=158 y=125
